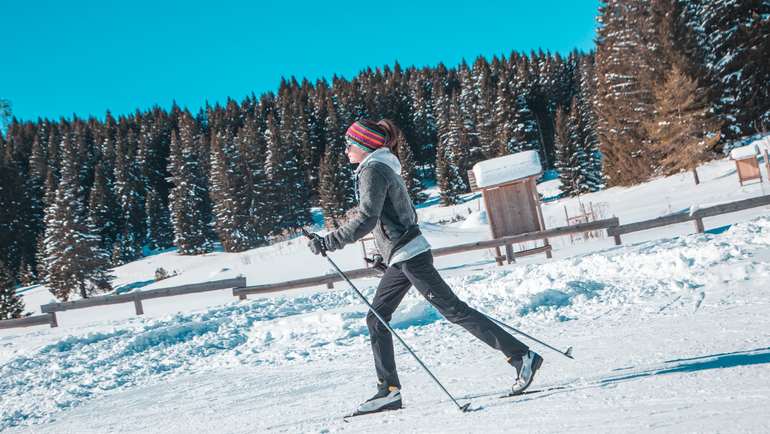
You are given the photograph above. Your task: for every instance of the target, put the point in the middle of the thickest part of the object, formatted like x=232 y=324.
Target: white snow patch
x=507 y=168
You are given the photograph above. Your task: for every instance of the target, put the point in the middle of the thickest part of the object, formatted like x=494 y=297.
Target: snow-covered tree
x=594 y=177
x=189 y=196
x=734 y=37
x=75 y=261
x=448 y=171
x=5 y=114
x=130 y=194
x=336 y=183
x=103 y=209
x=625 y=51
x=11 y=305
x=229 y=194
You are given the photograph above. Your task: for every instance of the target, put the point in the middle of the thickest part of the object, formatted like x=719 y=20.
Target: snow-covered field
x=670 y=332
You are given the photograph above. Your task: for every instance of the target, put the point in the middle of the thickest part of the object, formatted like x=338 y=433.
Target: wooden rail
x=530 y=236
x=28 y=321
x=137 y=297
x=696 y=216
x=329 y=279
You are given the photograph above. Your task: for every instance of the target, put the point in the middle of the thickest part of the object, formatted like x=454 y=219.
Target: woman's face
x=355 y=154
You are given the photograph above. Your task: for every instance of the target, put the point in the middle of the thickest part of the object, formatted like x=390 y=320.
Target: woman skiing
x=386 y=208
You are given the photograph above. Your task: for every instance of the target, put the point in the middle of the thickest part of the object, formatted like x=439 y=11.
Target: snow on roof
x=747 y=151
x=507 y=168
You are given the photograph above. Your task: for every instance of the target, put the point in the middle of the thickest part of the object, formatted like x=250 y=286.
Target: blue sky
x=60 y=58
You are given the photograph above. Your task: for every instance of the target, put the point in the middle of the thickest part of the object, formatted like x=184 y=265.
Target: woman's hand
x=317 y=244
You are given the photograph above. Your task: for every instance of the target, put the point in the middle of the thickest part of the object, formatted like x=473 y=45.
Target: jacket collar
x=384 y=156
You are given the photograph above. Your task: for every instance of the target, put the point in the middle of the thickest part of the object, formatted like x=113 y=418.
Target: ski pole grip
x=310 y=237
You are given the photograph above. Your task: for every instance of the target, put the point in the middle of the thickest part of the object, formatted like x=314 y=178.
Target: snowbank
x=627 y=282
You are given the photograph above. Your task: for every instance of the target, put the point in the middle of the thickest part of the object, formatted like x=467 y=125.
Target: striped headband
x=365 y=134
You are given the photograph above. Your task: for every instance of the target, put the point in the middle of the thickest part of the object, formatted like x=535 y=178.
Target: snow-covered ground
x=670 y=330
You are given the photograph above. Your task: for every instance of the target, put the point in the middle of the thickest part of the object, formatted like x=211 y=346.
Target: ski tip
x=568 y=353
x=465 y=408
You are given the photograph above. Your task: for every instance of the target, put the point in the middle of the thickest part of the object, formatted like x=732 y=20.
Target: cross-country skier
x=384 y=207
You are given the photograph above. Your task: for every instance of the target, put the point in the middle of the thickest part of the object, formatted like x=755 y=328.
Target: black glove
x=317 y=244
x=376 y=262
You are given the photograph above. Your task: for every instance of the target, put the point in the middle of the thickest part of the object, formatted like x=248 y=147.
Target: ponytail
x=394 y=137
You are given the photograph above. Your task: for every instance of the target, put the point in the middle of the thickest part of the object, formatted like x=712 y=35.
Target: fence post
x=498 y=256
x=509 y=253
x=138 y=306
x=52 y=320
x=699 y=225
x=617 y=239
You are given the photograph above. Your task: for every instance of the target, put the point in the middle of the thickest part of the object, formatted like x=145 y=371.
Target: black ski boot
x=386 y=398
x=525 y=370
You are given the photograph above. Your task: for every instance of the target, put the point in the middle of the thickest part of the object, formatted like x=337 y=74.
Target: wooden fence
x=27 y=321
x=696 y=216
x=137 y=297
x=329 y=279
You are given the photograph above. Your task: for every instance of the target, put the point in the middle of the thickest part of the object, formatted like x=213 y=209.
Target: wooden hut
x=510 y=196
x=746 y=163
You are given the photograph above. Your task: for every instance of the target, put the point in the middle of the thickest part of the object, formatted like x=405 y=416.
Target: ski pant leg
x=423 y=275
x=390 y=291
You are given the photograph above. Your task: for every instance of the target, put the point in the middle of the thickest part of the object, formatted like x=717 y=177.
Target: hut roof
x=508 y=168
x=747 y=151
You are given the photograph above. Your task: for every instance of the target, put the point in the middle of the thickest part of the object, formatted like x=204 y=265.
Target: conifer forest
x=668 y=84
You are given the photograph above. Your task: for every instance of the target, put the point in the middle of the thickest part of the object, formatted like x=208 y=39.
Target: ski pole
x=462 y=408
x=567 y=353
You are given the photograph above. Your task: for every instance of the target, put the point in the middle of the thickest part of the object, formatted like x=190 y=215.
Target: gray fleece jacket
x=384 y=206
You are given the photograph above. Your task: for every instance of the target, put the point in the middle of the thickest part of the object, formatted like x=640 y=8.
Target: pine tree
x=506 y=117
x=255 y=188
x=103 y=209
x=526 y=132
x=468 y=103
x=75 y=261
x=485 y=93
x=448 y=175
x=682 y=130
x=565 y=155
x=130 y=194
x=38 y=172
x=189 y=195
x=409 y=171
x=735 y=39
x=5 y=114
x=228 y=194
x=11 y=305
x=587 y=124
x=17 y=230
x=336 y=178
x=154 y=147
x=420 y=88
x=288 y=171
x=13 y=214
x=624 y=98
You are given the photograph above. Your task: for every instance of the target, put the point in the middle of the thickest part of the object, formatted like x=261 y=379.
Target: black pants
x=419 y=271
